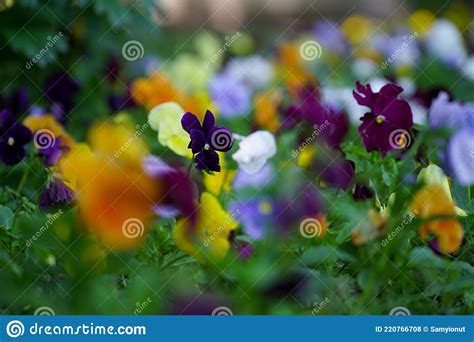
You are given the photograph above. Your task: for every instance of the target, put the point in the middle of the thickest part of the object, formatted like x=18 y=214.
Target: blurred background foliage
x=68 y=272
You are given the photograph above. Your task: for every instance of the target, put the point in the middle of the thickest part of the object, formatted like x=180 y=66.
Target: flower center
x=380 y=119
x=206 y=147
x=265 y=207
x=11 y=141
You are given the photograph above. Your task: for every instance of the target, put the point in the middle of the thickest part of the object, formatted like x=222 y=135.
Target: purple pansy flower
x=232 y=95
x=13 y=137
x=254 y=215
x=331 y=37
x=461 y=155
x=329 y=124
x=386 y=127
x=206 y=139
x=53 y=152
x=260 y=179
x=447 y=114
x=56 y=193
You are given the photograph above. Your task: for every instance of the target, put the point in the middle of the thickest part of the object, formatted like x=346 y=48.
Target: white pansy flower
x=255 y=71
x=254 y=151
x=445 y=42
x=468 y=68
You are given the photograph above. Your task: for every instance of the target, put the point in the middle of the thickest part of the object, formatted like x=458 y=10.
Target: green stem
x=22 y=181
x=188 y=171
x=469 y=196
x=223 y=182
x=170 y=263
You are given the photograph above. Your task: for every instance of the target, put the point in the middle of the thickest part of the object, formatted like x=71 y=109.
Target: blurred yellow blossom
x=421 y=21
x=49 y=122
x=114 y=195
x=432 y=202
x=209 y=237
x=166 y=120
x=357 y=28
x=266 y=111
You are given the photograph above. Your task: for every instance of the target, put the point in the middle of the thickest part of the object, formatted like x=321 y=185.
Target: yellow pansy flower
x=114 y=195
x=435 y=200
x=48 y=122
x=208 y=238
x=72 y=165
x=306 y=156
x=219 y=181
x=421 y=21
x=118 y=140
x=356 y=28
x=166 y=120
x=431 y=202
x=434 y=175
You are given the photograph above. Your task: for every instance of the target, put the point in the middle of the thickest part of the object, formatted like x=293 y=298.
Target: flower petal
x=189 y=121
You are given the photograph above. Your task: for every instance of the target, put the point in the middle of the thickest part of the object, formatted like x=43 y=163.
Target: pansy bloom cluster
x=333 y=164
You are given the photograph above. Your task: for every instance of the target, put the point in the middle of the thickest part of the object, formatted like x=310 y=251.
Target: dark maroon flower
x=180 y=193
x=206 y=139
x=112 y=70
x=200 y=304
x=56 y=193
x=17 y=102
x=13 y=137
x=327 y=123
x=60 y=90
x=362 y=192
x=294 y=283
x=386 y=127
x=121 y=102
x=304 y=203
x=332 y=167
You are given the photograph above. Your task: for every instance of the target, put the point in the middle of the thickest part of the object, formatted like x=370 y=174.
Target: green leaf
x=6 y=217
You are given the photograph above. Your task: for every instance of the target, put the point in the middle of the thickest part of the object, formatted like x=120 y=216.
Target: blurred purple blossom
x=330 y=36
x=461 y=155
